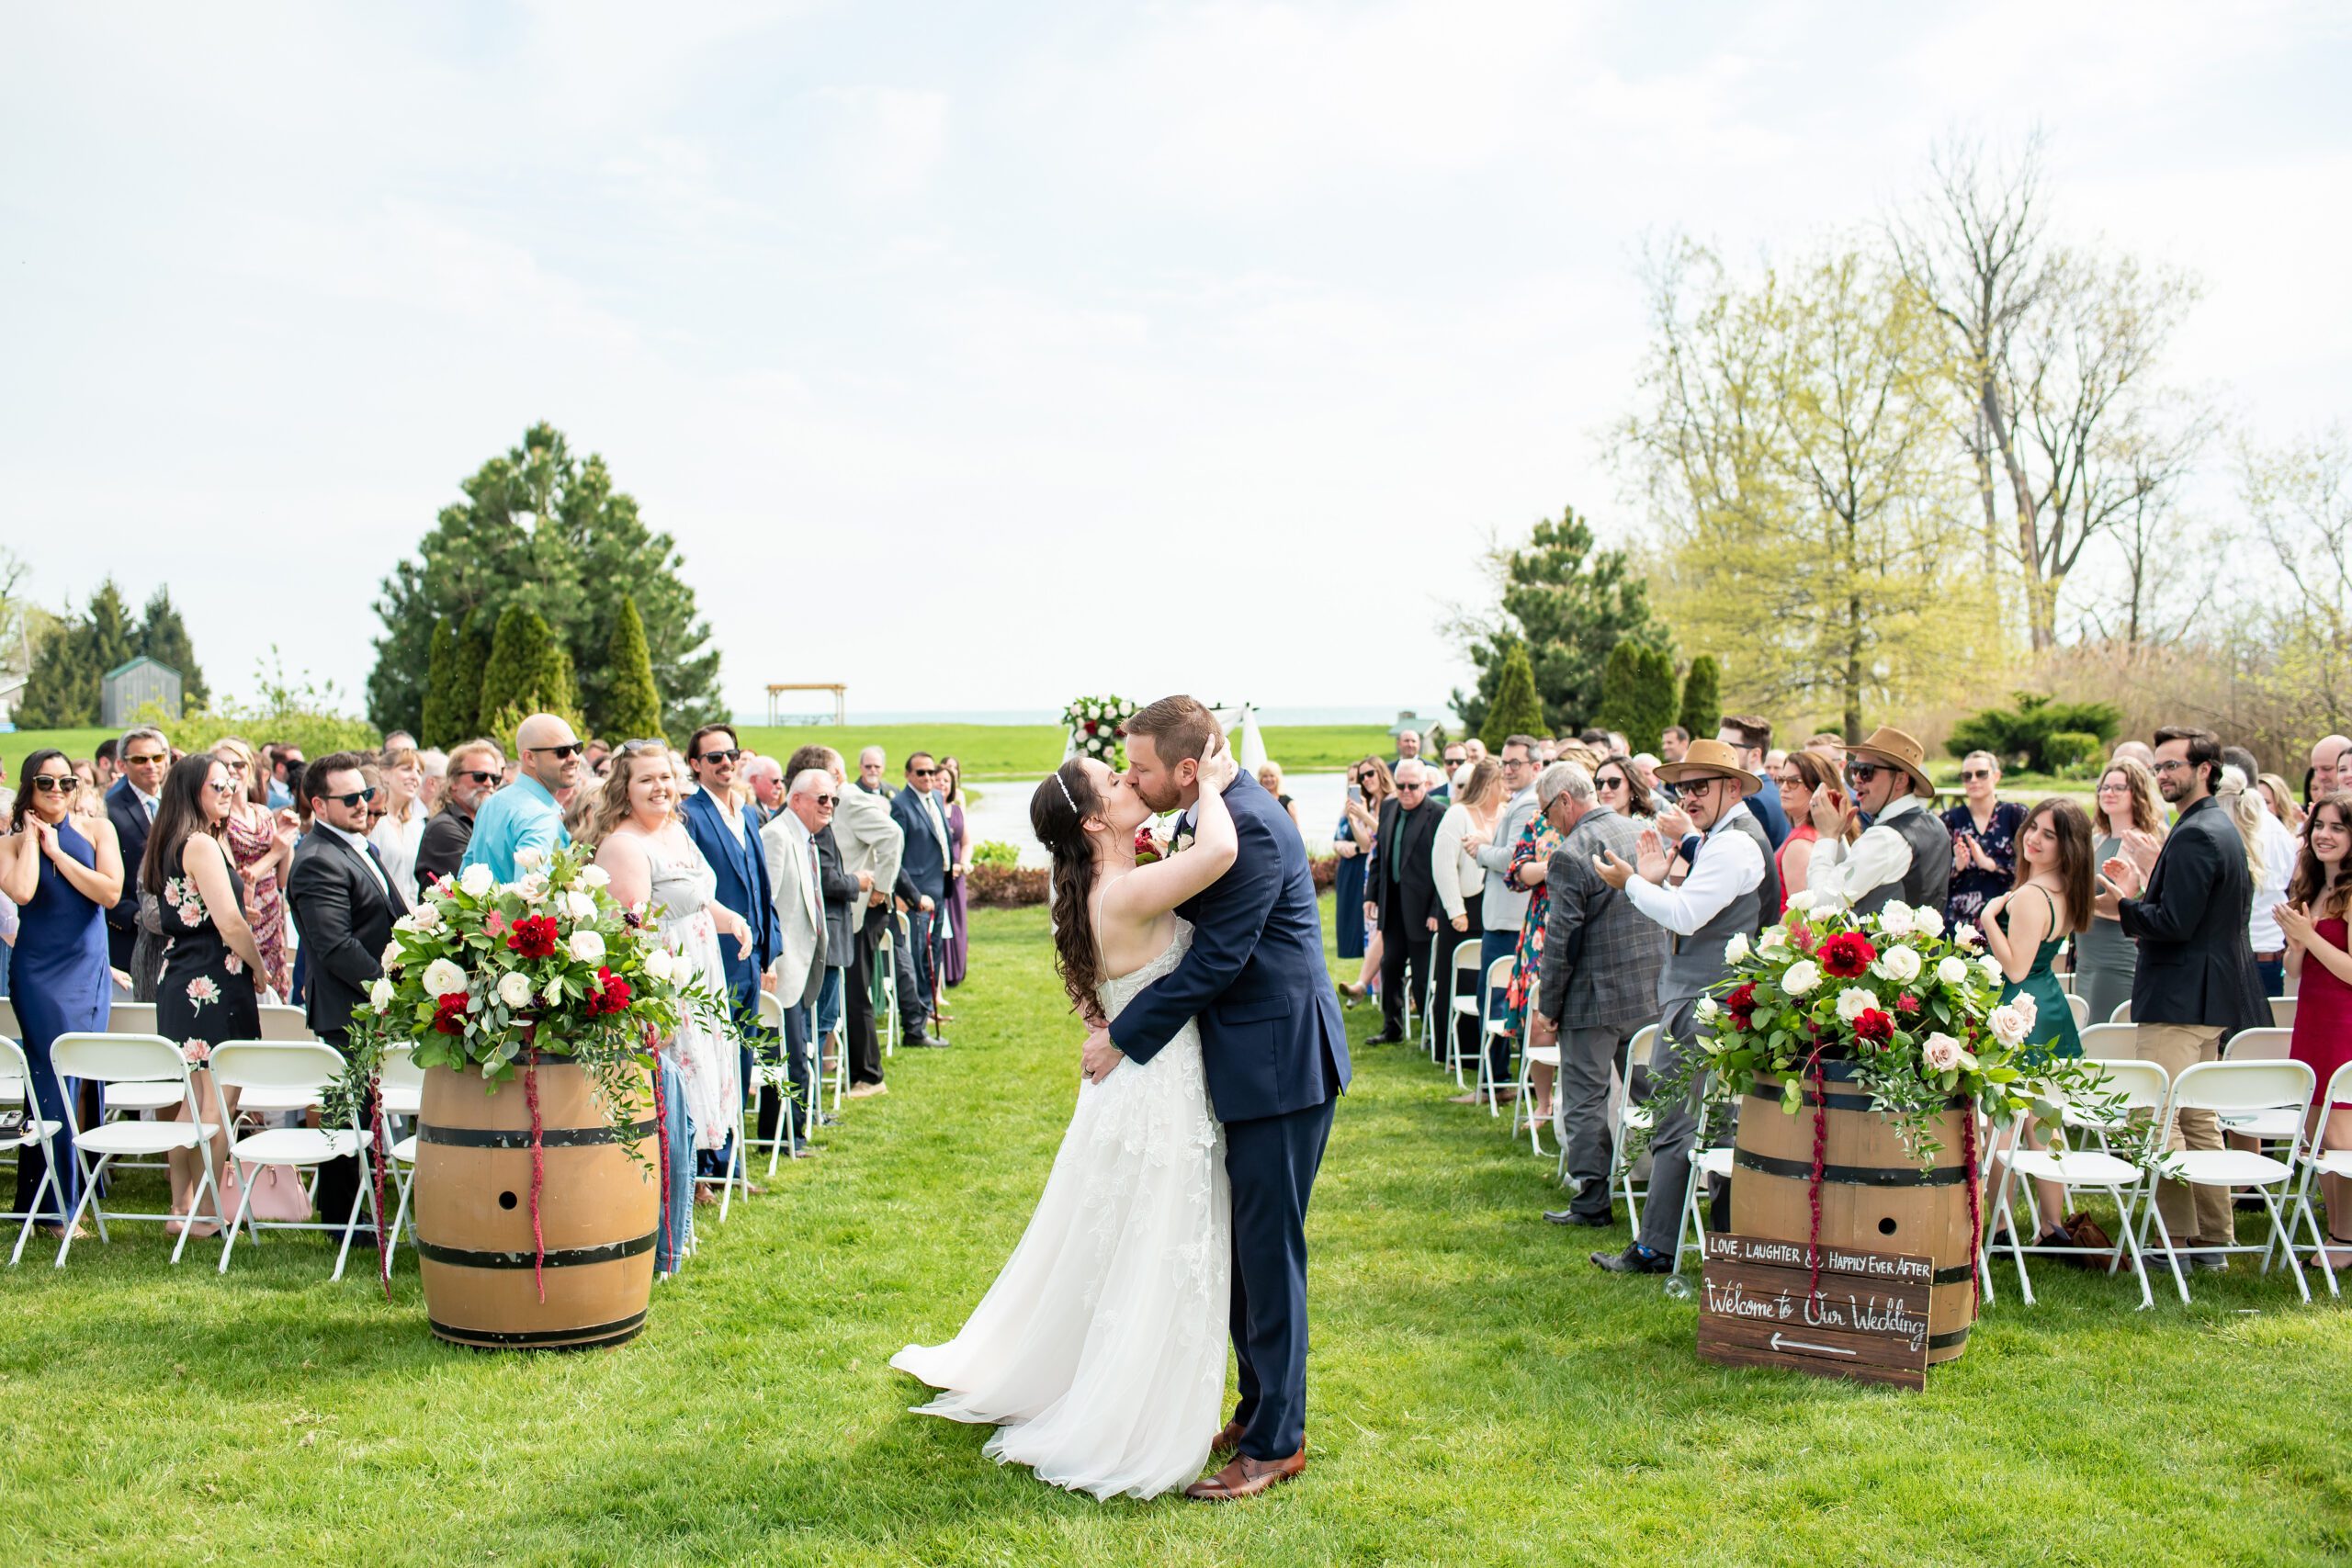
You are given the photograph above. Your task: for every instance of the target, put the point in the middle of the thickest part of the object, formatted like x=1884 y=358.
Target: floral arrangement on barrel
x=1098 y=729
x=500 y=975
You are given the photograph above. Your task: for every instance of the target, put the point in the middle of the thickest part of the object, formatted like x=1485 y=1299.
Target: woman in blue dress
x=63 y=871
x=1983 y=841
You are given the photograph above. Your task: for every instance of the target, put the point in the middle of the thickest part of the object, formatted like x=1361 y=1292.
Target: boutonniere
x=1147 y=848
x=1181 y=839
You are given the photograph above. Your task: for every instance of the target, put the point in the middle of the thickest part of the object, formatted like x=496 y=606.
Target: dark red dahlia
x=1847 y=954
x=1873 y=1025
x=611 y=995
x=533 y=936
x=449 y=1013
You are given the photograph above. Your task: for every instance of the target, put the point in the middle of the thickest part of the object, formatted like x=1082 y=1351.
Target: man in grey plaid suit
x=1599 y=983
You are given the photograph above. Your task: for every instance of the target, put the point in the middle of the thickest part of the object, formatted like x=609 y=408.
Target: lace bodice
x=1114 y=994
x=681 y=886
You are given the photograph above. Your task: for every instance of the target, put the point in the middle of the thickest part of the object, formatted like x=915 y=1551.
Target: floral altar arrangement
x=501 y=977
x=1098 y=729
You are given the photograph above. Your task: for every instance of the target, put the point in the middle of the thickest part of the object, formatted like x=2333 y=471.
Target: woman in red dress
x=2318 y=962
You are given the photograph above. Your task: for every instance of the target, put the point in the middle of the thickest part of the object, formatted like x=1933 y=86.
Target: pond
x=998 y=809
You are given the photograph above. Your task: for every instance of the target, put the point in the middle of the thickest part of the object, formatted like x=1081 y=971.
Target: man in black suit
x=146 y=757
x=345 y=903
x=1400 y=892
x=2188 y=905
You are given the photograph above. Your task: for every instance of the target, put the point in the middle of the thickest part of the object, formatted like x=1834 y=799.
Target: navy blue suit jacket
x=922 y=863
x=744 y=887
x=131 y=833
x=1271 y=1041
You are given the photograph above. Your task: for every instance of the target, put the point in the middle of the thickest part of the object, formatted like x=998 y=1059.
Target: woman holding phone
x=1801 y=776
x=1368 y=786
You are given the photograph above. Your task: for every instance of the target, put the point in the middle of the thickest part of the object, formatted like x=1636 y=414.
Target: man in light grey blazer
x=871 y=843
x=790 y=844
x=1503 y=908
x=1599 y=983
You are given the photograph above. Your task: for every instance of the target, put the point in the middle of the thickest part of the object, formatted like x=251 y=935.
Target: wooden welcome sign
x=1869 y=1319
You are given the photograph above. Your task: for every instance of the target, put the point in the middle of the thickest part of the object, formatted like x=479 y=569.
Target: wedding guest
x=765 y=777
x=400 y=831
x=2188 y=905
x=88 y=771
x=286 y=765
x=1906 y=852
x=261 y=844
x=2024 y=934
x=595 y=758
x=2319 y=958
x=2324 y=778
x=524 y=815
x=1618 y=745
x=2281 y=797
x=923 y=884
x=1547 y=750
x=1597 y=986
x=131 y=806
x=1530 y=868
x=1617 y=786
x=1727 y=894
x=1983 y=841
x=399 y=741
x=720 y=828
x=2271 y=858
x=1502 y=905
x=1400 y=894
x=1269 y=779
x=846 y=905
x=211 y=964
x=1408 y=749
x=1673 y=742
x=105 y=765
x=1750 y=736
x=62 y=872
x=870 y=763
x=1358 y=831
x=432 y=768
x=956 y=953
x=1347 y=877
x=651 y=858
x=2104 y=959
x=871 y=847
x=474 y=771
x=1830 y=748
x=797 y=891
x=1460 y=880
x=344 y=903
x=1801 y=776
x=1645 y=766
x=1475 y=748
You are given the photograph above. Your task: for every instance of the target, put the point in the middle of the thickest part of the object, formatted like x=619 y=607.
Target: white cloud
x=883 y=143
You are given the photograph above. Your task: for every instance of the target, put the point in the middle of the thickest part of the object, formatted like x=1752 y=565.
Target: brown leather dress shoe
x=1246 y=1477
x=1227 y=1440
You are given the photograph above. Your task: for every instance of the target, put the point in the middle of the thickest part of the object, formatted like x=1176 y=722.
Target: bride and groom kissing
x=1177 y=1198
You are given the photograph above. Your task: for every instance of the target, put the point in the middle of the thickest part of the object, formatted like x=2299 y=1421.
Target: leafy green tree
x=1703 y=698
x=632 y=708
x=545 y=530
x=70 y=663
x=435 y=726
x=1568 y=603
x=1637 y=693
x=163 y=637
x=466 y=670
x=528 y=672
x=1516 y=709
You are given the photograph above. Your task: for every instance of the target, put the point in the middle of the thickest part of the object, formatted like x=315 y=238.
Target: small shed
x=127 y=688
x=1406 y=720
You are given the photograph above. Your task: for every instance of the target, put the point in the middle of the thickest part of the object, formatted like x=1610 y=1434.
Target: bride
x=1100 y=1353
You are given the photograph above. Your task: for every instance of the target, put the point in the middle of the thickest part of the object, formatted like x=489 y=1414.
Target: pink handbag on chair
x=277 y=1198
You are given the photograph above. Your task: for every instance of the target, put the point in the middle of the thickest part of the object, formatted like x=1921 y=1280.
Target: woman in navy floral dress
x=1984 y=842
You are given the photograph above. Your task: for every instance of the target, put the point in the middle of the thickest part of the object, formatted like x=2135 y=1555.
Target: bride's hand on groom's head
x=1218 y=768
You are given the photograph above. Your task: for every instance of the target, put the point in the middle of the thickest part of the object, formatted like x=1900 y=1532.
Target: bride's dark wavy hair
x=1057 y=815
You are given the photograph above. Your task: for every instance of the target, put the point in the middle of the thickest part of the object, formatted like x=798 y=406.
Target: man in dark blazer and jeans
x=2188 y=905
x=1400 y=894
x=344 y=904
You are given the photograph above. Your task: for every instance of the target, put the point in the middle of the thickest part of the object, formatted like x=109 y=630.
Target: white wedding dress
x=1100 y=1351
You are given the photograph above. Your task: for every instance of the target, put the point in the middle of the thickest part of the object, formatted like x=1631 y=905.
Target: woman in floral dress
x=211 y=963
x=1531 y=861
x=262 y=843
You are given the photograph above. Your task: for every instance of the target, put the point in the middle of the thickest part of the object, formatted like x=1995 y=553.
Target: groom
x=1276 y=1057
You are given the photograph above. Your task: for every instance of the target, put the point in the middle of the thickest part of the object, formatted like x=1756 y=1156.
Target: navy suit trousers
x=1272 y=1161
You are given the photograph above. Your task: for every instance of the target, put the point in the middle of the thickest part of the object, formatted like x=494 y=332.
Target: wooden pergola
x=839 y=691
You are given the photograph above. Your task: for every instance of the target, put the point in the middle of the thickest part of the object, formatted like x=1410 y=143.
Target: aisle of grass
x=1479 y=1394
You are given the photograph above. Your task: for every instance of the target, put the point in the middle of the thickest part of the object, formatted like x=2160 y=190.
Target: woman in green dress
x=2024 y=929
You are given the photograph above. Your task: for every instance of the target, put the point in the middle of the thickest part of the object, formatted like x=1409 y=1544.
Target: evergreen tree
x=528 y=672
x=471 y=661
x=435 y=726
x=61 y=690
x=163 y=637
x=1568 y=603
x=1516 y=709
x=1637 y=693
x=632 y=708
x=1703 y=701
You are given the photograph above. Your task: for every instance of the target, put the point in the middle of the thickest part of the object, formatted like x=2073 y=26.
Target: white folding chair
x=2066 y=982
x=2260 y=1045
x=1522 y=1102
x=885 y=979
x=8 y=1019
x=1715 y=1164
x=2123 y=1014
x=2111 y=1043
x=1494 y=1027
x=16 y=1088
x=2232 y=1090
x=131 y=1100
x=285 y=1069
x=279 y=1022
x=2318 y=1161
x=2261 y=1127
x=126 y=1060
x=1458 y=1004
x=131 y=1018
x=774 y=1076
x=1630 y=1117
x=2143 y=1085
x=2080 y=1007
x=2282 y=1012
x=399 y=1091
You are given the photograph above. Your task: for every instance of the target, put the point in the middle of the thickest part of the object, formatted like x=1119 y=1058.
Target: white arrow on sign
x=1779 y=1344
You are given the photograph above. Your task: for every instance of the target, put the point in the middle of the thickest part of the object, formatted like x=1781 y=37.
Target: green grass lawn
x=1479 y=1392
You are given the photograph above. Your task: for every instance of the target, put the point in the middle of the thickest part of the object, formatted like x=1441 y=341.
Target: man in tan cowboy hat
x=1732 y=891
x=1907 y=851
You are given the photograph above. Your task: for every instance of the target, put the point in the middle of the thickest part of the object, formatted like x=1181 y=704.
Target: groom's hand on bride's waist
x=1099 y=1056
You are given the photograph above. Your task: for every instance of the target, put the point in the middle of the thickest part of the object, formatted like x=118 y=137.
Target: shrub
x=528 y=672
x=1702 y=703
x=1637 y=696
x=2025 y=733
x=300 y=715
x=632 y=709
x=995 y=852
x=2072 y=753
x=1516 y=710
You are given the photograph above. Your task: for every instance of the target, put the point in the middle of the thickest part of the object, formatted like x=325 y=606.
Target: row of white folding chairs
x=2282 y=1012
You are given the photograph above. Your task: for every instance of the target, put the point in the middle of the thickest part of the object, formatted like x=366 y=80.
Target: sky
x=984 y=356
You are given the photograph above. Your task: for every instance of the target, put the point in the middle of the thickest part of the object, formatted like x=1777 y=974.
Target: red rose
x=1847 y=954
x=533 y=936
x=1907 y=1002
x=1874 y=1025
x=1741 y=1004
x=449 y=1013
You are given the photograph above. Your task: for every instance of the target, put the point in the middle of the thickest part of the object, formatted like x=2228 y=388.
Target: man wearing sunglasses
x=146 y=757
x=795 y=866
x=473 y=773
x=1400 y=892
x=524 y=816
x=922 y=875
x=857 y=857
x=730 y=841
x=1906 y=852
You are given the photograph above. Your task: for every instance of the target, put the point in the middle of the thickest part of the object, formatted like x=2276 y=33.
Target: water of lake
x=998 y=809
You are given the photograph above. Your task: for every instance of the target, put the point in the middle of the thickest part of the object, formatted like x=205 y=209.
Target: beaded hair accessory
x=1065 y=793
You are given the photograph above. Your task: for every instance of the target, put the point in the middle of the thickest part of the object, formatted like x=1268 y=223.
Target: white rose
x=389 y=959
x=425 y=917
x=1708 y=1008
x=1800 y=900
x=1896 y=919
x=587 y=946
x=1801 y=977
x=1900 y=964
x=553 y=991
x=475 y=880
x=2010 y=1022
x=441 y=977
x=657 y=963
x=1940 y=1052
x=1927 y=922
x=515 y=990
x=533 y=888
x=531 y=860
x=593 y=877
x=580 y=906
x=1993 y=971
x=1953 y=970
x=1966 y=938
x=1853 y=1001
x=1736 y=948
x=1774 y=940
x=380 y=994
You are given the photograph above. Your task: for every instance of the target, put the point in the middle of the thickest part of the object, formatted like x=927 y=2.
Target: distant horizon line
x=1276 y=715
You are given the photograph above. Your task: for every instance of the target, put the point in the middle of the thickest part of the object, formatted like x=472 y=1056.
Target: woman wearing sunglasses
x=1983 y=841
x=262 y=843
x=1368 y=785
x=64 y=872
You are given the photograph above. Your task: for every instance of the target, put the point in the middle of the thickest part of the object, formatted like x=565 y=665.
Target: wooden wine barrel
x=598 y=1212
x=1874 y=1195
